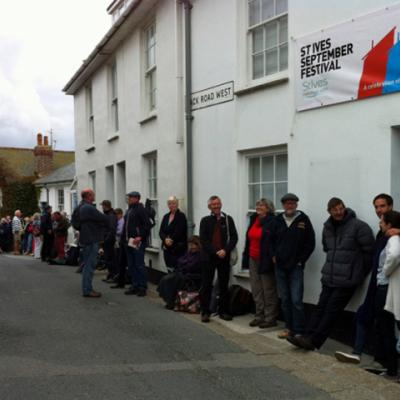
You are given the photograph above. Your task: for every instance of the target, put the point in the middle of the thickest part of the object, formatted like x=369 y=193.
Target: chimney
x=43 y=156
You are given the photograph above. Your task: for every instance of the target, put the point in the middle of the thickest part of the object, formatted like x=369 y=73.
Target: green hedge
x=20 y=196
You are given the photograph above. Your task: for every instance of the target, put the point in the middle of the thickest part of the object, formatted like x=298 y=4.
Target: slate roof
x=63 y=174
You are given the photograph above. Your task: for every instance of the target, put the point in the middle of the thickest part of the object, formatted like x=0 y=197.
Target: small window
x=151 y=170
x=60 y=197
x=114 y=97
x=267 y=177
x=150 y=67
x=268 y=30
x=90 y=116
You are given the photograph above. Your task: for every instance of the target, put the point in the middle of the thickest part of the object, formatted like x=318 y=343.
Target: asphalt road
x=55 y=344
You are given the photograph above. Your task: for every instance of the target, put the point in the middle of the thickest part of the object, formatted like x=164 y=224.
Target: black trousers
x=122 y=263
x=223 y=270
x=47 y=247
x=385 y=339
x=332 y=301
x=109 y=258
x=171 y=260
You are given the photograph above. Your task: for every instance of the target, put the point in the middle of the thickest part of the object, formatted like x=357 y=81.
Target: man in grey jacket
x=349 y=246
x=93 y=225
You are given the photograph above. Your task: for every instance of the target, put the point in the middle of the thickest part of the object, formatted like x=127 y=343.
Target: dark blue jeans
x=89 y=255
x=290 y=288
x=136 y=267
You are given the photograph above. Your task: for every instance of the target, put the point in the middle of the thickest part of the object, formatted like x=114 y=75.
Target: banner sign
x=212 y=96
x=350 y=61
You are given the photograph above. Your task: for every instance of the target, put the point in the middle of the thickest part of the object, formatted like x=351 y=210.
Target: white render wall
x=346 y=150
x=53 y=197
x=342 y=150
x=136 y=140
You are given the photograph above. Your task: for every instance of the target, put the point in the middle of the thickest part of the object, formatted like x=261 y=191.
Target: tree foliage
x=21 y=195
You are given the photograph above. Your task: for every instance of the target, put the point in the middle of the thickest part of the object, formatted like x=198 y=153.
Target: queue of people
x=277 y=249
x=41 y=236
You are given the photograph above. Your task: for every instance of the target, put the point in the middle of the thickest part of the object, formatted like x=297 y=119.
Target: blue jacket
x=294 y=244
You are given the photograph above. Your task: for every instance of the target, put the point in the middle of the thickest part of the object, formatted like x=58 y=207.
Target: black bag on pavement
x=72 y=256
x=240 y=300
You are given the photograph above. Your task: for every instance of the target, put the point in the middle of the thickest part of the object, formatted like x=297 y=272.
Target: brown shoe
x=284 y=334
x=93 y=294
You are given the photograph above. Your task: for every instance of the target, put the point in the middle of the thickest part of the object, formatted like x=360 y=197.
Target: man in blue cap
x=137 y=227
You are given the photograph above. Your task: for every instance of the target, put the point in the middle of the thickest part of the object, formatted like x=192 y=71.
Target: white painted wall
x=347 y=150
x=53 y=197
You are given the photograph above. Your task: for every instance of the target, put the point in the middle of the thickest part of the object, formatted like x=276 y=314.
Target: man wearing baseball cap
x=137 y=228
x=295 y=242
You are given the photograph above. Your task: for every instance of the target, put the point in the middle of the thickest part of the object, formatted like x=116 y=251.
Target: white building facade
x=249 y=140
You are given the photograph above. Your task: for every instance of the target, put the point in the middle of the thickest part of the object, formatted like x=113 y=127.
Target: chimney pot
x=39 y=139
x=46 y=141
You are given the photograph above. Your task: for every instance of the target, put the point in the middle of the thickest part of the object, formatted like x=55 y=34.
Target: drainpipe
x=188 y=115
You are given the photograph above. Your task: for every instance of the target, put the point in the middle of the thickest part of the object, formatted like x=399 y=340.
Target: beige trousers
x=264 y=291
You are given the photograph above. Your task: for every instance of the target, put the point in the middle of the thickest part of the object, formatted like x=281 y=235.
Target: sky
x=42 y=44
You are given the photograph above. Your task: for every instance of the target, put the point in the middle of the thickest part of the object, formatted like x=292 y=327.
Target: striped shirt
x=16 y=225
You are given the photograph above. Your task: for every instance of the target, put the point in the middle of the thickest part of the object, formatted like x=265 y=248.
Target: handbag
x=233 y=256
x=187 y=302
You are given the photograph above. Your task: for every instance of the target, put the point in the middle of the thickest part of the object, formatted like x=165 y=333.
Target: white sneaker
x=347 y=358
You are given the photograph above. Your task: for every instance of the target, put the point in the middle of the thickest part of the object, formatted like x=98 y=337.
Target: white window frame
x=150 y=66
x=114 y=97
x=260 y=182
x=90 y=115
x=151 y=164
x=276 y=18
x=61 y=204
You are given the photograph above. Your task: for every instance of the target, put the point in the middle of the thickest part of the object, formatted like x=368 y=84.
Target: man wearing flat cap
x=135 y=237
x=295 y=242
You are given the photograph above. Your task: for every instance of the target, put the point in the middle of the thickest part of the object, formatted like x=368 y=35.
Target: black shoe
x=169 y=306
x=226 y=317
x=301 y=341
x=131 y=291
x=255 y=322
x=117 y=286
x=108 y=280
x=141 y=292
x=267 y=324
x=205 y=318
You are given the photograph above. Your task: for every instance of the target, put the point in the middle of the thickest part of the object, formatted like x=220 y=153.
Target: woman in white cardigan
x=387 y=295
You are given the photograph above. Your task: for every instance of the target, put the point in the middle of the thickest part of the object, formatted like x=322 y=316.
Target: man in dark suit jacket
x=219 y=237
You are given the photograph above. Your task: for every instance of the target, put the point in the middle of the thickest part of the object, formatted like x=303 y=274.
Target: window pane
x=281 y=6
x=267 y=9
x=271 y=34
x=254 y=195
x=281 y=190
x=267 y=169
x=271 y=61
x=254 y=12
x=258 y=66
x=258 y=40
x=254 y=170
x=281 y=168
x=283 y=57
x=283 y=30
x=268 y=191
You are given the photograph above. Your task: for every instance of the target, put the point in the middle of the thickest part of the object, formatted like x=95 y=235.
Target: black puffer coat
x=349 y=247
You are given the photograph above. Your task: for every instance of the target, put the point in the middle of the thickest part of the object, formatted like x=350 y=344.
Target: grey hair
x=267 y=203
x=212 y=198
x=173 y=199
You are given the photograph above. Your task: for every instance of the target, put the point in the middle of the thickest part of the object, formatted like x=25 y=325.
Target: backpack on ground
x=151 y=212
x=72 y=256
x=240 y=300
x=76 y=218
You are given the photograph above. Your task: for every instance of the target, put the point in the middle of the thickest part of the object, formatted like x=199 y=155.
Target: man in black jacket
x=46 y=230
x=135 y=237
x=219 y=237
x=349 y=246
x=295 y=242
x=109 y=241
x=93 y=224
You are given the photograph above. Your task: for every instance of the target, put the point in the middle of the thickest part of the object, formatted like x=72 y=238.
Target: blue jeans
x=89 y=256
x=136 y=268
x=290 y=288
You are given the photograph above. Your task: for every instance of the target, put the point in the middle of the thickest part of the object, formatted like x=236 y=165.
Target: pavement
x=55 y=344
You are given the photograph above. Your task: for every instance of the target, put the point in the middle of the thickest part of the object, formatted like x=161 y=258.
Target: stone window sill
x=242 y=274
x=273 y=80
x=149 y=118
x=113 y=137
x=153 y=250
x=90 y=148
